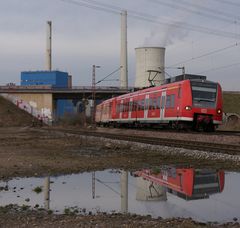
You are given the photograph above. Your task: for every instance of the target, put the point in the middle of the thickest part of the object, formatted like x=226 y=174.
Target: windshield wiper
x=202 y=99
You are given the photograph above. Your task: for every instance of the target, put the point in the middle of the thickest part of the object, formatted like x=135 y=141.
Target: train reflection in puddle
x=186 y=183
x=166 y=191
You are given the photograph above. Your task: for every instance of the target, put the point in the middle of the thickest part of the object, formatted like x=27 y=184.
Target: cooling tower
x=149 y=66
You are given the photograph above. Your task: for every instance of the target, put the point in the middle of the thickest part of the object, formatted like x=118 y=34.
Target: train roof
x=180 y=79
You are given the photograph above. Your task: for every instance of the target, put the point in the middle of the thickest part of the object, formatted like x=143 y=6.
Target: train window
x=124 y=107
x=143 y=104
x=134 y=106
x=150 y=104
x=179 y=92
x=163 y=102
x=130 y=106
x=140 y=105
x=158 y=102
x=172 y=100
x=168 y=102
x=154 y=103
x=121 y=107
x=146 y=104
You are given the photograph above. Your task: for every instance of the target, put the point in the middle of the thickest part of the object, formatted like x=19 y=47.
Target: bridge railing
x=73 y=88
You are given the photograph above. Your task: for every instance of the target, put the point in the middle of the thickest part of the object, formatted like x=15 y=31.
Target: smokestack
x=124 y=65
x=49 y=46
x=124 y=191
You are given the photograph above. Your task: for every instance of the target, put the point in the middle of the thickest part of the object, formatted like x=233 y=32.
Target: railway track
x=194 y=145
x=217 y=132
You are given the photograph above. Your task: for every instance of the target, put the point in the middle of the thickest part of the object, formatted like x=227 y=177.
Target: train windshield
x=204 y=94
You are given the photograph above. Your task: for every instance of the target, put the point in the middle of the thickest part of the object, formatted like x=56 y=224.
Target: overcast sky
x=84 y=36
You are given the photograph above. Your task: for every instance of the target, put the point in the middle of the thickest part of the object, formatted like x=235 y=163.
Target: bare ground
x=27 y=151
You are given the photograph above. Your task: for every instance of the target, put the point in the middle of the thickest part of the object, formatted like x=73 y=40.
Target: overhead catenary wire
x=210 y=10
x=194 y=8
x=115 y=71
x=91 y=6
x=153 y=19
x=206 y=54
x=228 y=2
x=219 y=68
x=106 y=185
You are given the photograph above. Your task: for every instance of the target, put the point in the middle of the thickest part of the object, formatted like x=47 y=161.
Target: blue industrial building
x=57 y=79
x=53 y=78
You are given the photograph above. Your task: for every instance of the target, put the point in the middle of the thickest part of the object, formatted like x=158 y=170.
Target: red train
x=189 y=101
x=186 y=183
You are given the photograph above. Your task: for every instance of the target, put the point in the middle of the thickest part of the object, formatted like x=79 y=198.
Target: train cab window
x=204 y=94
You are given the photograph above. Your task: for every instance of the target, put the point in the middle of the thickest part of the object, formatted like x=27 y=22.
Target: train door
x=162 y=108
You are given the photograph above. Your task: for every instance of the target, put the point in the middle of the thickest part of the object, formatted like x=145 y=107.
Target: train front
x=206 y=104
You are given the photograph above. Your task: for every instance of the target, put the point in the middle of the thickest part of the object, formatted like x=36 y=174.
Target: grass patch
x=231 y=102
x=37 y=190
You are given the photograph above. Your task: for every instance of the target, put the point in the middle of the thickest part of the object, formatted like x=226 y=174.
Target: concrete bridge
x=42 y=100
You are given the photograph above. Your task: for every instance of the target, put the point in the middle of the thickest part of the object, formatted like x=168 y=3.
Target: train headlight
x=188 y=108
x=219 y=111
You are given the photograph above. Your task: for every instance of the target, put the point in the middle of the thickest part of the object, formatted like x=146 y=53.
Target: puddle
x=202 y=194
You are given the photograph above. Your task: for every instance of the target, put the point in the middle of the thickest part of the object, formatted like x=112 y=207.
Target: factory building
x=51 y=78
x=55 y=79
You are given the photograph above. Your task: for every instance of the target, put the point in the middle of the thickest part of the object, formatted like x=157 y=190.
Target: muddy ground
x=28 y=151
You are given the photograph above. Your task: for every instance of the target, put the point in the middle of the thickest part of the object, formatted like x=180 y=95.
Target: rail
x=231 y=149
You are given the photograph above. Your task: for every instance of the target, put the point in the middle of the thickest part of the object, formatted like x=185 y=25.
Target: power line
x=196 y=7
x=228 y=3
x=214 y=11
x=91 y=6
x=191 y=27
x=141 y=16
x=218 y=68
x=206 y=54
x=109 y=74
